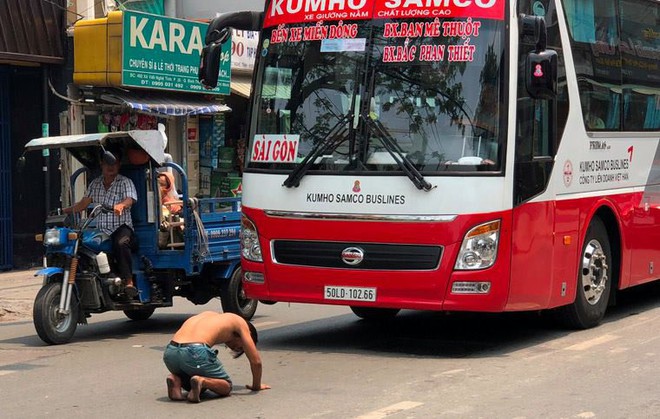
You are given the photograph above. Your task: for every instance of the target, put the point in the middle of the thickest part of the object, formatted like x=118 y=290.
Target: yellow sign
x=97 y=45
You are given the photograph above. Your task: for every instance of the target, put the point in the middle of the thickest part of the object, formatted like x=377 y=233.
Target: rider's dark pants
x=123 y=244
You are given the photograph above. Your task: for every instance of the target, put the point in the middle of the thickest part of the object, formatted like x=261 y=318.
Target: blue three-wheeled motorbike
x=194 y=253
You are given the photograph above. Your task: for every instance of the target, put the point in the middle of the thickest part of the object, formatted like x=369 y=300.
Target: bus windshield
x=433 y=86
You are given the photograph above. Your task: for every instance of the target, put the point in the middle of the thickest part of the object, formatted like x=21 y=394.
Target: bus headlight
x=479 y=247
x=52 y=237
x=250 y=247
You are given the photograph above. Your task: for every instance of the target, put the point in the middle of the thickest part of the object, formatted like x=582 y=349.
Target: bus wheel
x=593 y=282
x=234 y=300
x=373 y=313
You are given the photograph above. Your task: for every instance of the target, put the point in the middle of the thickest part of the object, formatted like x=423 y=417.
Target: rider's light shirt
x=121 y=188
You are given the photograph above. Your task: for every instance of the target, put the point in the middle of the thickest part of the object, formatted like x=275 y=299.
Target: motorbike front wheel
x=53 y=327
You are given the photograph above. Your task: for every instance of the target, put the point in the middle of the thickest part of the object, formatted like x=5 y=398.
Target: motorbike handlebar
x=100 y=209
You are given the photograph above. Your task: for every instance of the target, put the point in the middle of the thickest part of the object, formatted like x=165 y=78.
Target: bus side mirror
x=533 y=30
x=541 y=64
x=219 y=32
x=209 y=64
x=541 y=74
x=219 y=29
x=218 y=36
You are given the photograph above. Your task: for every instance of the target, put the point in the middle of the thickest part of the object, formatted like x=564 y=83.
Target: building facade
x=43 y=93
x=33 y=57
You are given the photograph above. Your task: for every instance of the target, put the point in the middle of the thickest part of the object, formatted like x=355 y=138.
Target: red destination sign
x=282 y=12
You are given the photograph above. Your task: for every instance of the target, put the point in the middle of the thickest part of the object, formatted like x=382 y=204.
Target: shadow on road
x=434 y=334
x=119 y=329
x=415 y=333
x=98 y=329
x=410 y=333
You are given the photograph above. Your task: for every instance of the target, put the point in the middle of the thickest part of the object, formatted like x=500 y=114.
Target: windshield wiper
x=328 y=144
x=397 y=154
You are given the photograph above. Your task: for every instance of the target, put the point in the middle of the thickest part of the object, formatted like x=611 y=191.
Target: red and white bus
x=451 y=155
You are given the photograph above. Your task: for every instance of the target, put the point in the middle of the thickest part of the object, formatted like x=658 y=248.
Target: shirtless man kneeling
x=195 y=366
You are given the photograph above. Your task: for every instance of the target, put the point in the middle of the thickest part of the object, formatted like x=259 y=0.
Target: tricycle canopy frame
x=84 y=147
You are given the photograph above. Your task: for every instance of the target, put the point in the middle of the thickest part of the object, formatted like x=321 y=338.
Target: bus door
x=538 y=271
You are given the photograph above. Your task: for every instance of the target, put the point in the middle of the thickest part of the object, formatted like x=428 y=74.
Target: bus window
x=595 y=104
x=443 y=109
x=592 y=21
x=640 y=51
x=593 y=29
x=615 y=47
x=641 y=111
x=652 y=116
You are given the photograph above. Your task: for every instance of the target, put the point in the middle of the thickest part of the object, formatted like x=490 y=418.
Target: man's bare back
x=211 y=328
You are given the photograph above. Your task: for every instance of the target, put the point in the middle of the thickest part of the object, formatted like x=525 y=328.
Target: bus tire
x=233 y=297
x=51 y=326
x=594 y=281
x=374 y=313
x=139 y=314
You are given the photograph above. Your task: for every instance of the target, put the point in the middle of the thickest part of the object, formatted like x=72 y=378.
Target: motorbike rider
x=119 y=193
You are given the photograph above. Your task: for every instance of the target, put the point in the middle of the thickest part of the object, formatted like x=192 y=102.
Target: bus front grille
x=350 y=255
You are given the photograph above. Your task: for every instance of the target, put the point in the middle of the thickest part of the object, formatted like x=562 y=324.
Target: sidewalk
x=17 y=291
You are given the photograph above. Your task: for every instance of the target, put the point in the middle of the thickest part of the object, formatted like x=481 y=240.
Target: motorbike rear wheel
x=234 y=300
x=52 y=327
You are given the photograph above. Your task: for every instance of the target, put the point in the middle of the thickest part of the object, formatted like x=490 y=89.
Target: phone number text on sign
x=350 y=293
x=272 y=148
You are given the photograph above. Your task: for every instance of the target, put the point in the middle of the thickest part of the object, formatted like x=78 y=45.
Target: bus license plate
x=350 y=293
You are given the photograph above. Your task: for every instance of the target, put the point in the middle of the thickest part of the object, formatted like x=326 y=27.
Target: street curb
x=20 y=284
x=18 y=290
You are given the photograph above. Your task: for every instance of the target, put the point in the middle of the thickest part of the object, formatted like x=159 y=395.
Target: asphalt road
x=322 y=361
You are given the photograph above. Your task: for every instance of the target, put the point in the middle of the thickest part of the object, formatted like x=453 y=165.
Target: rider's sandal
x=131 y=291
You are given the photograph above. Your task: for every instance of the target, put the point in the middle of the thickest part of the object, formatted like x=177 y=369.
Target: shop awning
x=241 y=84
x=162 y=103
x=32 y=31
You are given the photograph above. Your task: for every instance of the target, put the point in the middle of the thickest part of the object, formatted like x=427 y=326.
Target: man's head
x=237 y=347
x=111 y=169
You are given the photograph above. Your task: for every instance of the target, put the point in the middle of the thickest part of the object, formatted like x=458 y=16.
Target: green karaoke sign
x=163 y=53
